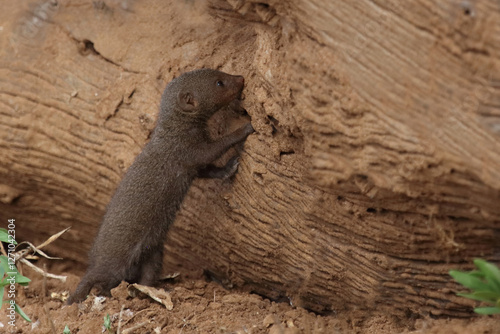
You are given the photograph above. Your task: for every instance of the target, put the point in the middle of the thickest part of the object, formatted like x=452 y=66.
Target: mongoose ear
x=187 y=101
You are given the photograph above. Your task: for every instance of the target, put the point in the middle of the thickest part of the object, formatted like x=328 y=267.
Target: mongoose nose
x=240 y=79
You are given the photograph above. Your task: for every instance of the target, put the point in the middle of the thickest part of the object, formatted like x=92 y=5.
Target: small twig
x=189 y=317
x=120 y=320
x=52 y=327
x=52 y=238
x=20 y=290
x=185 y=323
x=19 y=256
x=43 y=273
x=134 y=315
x=22 y=253
x=133 y=328
x=44 y=282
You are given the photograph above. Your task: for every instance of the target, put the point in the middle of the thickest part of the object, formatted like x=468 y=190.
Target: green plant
x=10 y=276
x=4 y=236
x=66 y=330
x=107 y=323
x=484 y=283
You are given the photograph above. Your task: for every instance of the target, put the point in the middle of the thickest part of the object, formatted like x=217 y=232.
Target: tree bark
x=374 y=169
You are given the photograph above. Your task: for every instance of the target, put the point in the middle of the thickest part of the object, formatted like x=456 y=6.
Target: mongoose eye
x=220 y=83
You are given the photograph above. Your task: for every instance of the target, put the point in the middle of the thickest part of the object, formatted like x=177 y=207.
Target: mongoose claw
x=232 y=165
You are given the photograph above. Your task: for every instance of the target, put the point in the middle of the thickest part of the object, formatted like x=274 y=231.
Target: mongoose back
x=129 y=243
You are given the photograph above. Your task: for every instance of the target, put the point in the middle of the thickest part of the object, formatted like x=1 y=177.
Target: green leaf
x=469 y=281
x=107 y=322
x=485 y=296
x=2 y=290
x=487 y=310
x=22 y=280
x=477 y=273
x=21 y=313
x=4 y=263
x=491 y=273
x=4 y=236
x=66 y=330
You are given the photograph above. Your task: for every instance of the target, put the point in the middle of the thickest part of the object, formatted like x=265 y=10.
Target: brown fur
x=129 y=244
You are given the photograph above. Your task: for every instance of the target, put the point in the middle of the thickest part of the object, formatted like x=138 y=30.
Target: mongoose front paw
x=236 y=107
x=248 y=129
x=232 y=166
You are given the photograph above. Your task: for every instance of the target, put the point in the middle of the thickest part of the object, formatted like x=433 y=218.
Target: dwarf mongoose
x=129 y=243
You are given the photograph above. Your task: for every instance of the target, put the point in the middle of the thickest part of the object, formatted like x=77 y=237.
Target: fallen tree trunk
x=374 y=168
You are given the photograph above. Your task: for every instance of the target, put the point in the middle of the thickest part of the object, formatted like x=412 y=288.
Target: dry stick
x=134 y=315
x=120 y=320
x=52 y=327
x=20 y=290
x=185 y=323
x=45 y=243
x=41 y=272
x=44 y=283
x=22 y=253
x=53 y=238
x=133 y=328
x=189 y=317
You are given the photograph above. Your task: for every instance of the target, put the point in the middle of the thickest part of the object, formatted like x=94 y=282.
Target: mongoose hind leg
x=103 y=283
x=151 y=267
x=82 y=290
x=104 y=287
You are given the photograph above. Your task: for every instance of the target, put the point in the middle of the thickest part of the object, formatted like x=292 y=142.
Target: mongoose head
x=201 y=93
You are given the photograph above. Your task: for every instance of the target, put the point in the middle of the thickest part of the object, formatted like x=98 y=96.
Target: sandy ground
x=204 y=306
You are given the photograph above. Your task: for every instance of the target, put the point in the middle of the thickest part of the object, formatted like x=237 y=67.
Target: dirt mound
x=204 y=306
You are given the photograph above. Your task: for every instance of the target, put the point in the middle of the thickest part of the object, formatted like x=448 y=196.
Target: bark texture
x=374 y=169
